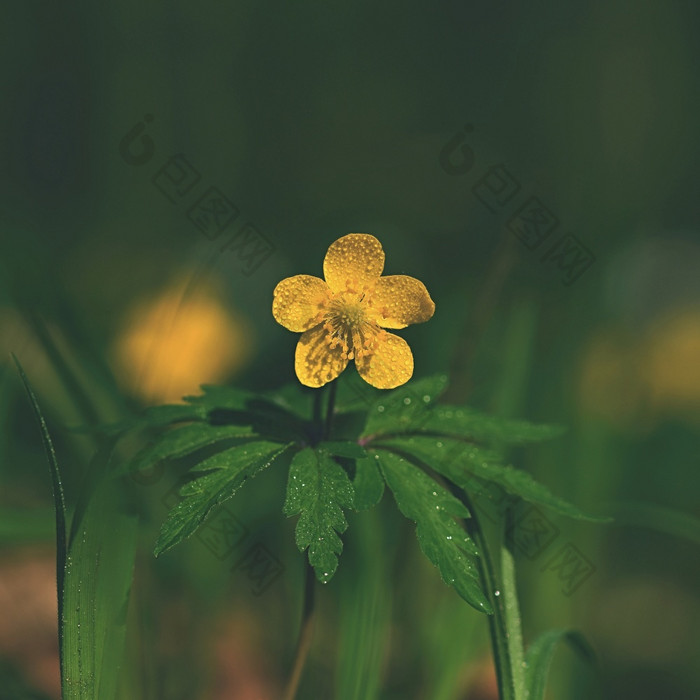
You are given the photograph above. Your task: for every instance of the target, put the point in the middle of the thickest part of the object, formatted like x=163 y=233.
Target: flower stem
x=329 y=409
x=511 y=609
x=504 y=624
x=317 y=410
x=305 y=634
x=322 y=428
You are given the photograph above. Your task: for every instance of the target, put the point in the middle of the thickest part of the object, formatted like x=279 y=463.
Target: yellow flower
x=344 y=317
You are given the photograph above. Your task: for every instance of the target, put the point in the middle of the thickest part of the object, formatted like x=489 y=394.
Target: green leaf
x=182 y=441
x=469 y=424
x=354 y=394
x=441 y=538
x=466 y=465
x=272 y=416
x=343 y=448
x=318 y=489
x=58 y=497
x=368 y=483
x=99 y=569
x=225 y=473
x=404 y=409
x=94 y=571
x=540 y=654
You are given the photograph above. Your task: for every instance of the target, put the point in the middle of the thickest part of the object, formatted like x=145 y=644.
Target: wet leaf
x=182 y=441
x=433 y=509
x=405 y=409
x=368 y=483
x=343 y=448
x=539 y=657
x=318 y=490
x=225 y=474
x=468 y=465
x=470 y=424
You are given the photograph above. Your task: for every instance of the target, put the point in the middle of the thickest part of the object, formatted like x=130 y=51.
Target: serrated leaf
x=473 y=425
x=406 y=408
x=441 y=538
x=368 y=483
x=540 y=654
x=263 y=415
x=460 y=462
x=182 y=441
x=318 y=489
x=343 y=448
x=225 y=473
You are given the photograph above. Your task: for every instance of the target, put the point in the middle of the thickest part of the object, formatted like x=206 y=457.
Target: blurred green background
x=315 y=120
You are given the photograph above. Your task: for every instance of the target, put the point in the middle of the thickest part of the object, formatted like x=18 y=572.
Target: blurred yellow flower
x=637 y=379
x=673 y=368
x=182 y=338
x=611 y=384
x=344 y=317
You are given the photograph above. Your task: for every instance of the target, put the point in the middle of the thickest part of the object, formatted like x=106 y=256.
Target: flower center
x=349 y=322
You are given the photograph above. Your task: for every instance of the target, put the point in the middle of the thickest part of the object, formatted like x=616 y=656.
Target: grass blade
x=99 y=567
x=58 y=498
x=541 y=652
x=364 y=614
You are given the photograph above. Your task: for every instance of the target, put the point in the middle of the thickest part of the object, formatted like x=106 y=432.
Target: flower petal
x=315 y=362
x=354 y=260
x=399 y=300
x=389 y=365
x=297 y=301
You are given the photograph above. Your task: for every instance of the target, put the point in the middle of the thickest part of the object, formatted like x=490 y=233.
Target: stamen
x=349 y=321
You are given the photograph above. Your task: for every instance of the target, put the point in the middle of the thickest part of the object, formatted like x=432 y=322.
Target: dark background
x=318 y=119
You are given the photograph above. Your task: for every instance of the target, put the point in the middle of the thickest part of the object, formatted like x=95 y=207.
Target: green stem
x=317 y=409
x=329 y=409
x=305 y=634
x=323 y=429
x=504 y=624
x=511 y=609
